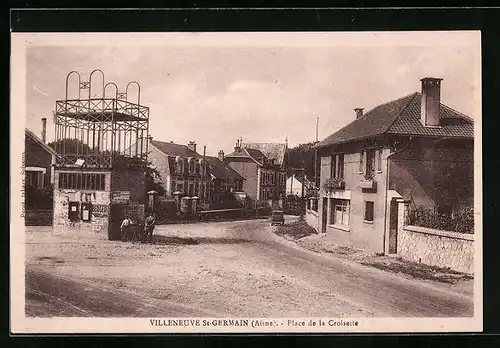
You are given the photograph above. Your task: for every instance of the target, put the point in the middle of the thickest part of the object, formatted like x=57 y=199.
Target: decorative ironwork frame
x=100 y=127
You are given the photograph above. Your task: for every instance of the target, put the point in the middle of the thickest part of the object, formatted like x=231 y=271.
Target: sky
x=216 y=93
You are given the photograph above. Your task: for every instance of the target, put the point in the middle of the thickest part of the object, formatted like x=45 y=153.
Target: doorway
x=393 y=227
x=324 y=215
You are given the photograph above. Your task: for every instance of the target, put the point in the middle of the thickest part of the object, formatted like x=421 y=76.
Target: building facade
x=263 y=166
x=181 y=169
x=412 y=149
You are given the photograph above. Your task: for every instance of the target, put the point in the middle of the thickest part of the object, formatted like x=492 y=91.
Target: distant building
x=413 y=148
x=263 y=167
x=294 y=185
x=181 y=168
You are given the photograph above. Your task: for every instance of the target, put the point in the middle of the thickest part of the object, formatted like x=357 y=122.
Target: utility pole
x=302 y=205
x=316 y=155
x=205 y=175
x=317 y=124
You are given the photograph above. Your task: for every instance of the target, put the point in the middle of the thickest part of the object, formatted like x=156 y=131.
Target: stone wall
x=437 y=248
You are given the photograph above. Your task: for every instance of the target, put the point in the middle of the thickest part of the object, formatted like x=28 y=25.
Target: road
x=242 y=268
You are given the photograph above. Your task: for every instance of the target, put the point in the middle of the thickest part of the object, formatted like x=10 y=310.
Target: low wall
x=312 y=219
x=437 y=248
x=38 y=218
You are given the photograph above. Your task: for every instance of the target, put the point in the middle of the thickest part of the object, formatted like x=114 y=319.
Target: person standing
x=125 y=228
x=149 y=227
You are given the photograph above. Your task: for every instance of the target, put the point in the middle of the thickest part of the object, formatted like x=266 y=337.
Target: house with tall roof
x=39 y=159
x=182 y=169
x=413 y=149
x=263 y=165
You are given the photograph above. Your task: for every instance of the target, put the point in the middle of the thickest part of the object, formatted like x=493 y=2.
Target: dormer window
x=180 y=165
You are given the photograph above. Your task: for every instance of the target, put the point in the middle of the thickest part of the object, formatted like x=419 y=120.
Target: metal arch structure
x=97 y=129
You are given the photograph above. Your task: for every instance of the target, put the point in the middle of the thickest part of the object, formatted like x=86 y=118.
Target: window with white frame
x=339 y=212
x=35 y=177
x=191 y=166
x=337 y=166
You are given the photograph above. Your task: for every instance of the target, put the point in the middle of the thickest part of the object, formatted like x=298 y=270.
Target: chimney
x=359 y=112
x=192 y=146
x=237 y=147
x=44 y=129
x=221 y=155
x=431 y=97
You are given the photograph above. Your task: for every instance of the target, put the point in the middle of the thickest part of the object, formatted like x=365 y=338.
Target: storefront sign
x=120 y=196
x=100 y=210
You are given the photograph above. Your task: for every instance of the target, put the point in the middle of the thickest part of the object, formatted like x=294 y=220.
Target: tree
x=71 y=146
x=153 y=176
x=302 y=154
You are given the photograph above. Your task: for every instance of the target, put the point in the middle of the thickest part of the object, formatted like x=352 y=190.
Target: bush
x=297 y=229
x=462 y=222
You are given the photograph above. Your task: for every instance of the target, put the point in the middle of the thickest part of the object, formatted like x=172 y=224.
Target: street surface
x=226 y=269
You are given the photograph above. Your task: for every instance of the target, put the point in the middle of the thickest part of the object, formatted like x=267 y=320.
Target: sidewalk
x=445 y=278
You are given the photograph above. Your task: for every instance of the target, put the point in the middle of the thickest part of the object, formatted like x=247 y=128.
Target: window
x=34 y=178
x=172 y=187
x=340 y=171
x=81 y=181
x=339 y=212
x=361 y=163
x=190 y=189
x=196 y=189
x=369 y=211
x=180 y=166
x=337 y=166
x=379 y=160
x=370 y=161
x=333 y=166
x=180 y=187
x=191 y=166
x=197 y=167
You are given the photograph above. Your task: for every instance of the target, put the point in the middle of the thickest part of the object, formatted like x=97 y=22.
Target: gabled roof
x=172 y=149
x=221 y=170
x=273 y=151
x=39 y=141
x=402 y=116
x=252 y=154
